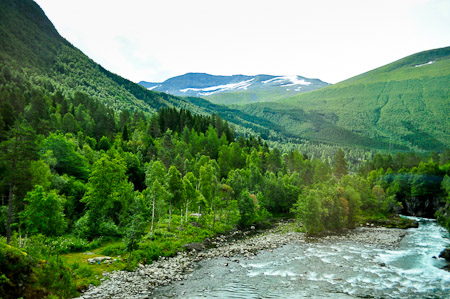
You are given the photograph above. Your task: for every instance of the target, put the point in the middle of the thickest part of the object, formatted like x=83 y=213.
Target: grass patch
x=85 y=273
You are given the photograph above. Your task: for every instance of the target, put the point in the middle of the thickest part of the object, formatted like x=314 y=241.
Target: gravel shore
x=141 y=282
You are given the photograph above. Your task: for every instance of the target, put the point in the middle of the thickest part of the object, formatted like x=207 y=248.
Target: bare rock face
x=420 y=207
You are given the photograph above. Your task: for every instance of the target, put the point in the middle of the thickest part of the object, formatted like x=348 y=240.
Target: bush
x=114 y=249
x=82 y=226
x=148 y=252
x=84 y=274
x=56 y=278
x=15 y=271
x=68 y=244
x=109 y=229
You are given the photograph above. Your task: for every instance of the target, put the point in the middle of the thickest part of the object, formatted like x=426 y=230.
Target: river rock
x=99 y=259
x=445 y=254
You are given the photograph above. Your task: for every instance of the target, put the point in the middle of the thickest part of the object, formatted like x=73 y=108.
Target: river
x=327 y=268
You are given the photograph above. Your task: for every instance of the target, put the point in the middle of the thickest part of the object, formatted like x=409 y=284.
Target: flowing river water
x=327 y=268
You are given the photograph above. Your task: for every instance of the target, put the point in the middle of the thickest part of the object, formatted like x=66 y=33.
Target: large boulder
x=445 y=254
x=194 y=246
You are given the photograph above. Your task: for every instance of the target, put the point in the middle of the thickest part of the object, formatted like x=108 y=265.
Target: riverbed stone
x=100 y=259
x=445 y=254
x=197 y=246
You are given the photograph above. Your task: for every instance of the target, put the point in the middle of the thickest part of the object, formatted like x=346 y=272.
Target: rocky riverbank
x=141 y=282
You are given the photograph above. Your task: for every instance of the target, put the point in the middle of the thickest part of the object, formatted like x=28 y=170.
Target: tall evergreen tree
x=15 y=155
x=175 y=187
x=340 y=164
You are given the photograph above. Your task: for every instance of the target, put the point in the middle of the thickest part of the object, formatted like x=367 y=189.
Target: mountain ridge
x=32 y=48
x=404 y=105
x=235 y=89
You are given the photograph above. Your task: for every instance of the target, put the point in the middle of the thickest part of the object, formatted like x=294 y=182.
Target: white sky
x=326 y=39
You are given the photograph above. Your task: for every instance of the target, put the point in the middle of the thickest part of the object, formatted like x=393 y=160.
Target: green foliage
x=247 y=209
x=395 y=107
x=175 y=186
x=107 y=196
x=44 y=213
x=41 y=174
x=68 y=160
x=56 y=278
x=16 y=152
x=16 y=268
x=309 y=210
x=443 y=215
x=134 y=231
x=103 y=144
x=68 y=244
x=339 y=164
x=24 y=275
x=114 y=249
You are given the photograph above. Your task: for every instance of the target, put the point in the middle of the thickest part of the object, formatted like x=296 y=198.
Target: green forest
x=79 y=176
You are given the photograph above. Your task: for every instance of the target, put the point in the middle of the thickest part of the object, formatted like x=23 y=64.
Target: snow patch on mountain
x=220 y=88
x=429 y=62
x=153 y=87
x=294 y=80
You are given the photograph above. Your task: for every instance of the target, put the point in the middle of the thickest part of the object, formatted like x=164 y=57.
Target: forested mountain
x=236 y=89
x=402 y=105
x=32 y=46
x=33 y=55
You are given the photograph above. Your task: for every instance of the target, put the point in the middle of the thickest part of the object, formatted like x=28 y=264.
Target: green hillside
x=34 y=56
x=250 y=96
x=31 y=46
x=402 y=105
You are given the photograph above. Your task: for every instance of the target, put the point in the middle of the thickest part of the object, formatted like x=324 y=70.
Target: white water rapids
x=327 y=268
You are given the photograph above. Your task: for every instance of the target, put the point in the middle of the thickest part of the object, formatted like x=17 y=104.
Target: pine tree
x=15 y=154
x=340 y=164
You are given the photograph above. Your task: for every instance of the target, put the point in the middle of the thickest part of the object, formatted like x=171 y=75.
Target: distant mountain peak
x=235 y=89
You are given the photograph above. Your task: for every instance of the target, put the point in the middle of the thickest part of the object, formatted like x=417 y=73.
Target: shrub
x=114 y=249
x=56 y=278
x=16 y=271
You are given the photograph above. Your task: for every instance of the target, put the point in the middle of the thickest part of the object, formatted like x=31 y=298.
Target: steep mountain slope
x=402 y=105
x=31 y=49
x=30 y=44
x=236 y=89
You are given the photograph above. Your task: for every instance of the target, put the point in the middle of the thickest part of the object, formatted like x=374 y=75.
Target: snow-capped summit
x=236 y=89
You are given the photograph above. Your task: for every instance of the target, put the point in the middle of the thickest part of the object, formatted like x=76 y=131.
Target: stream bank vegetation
x=80 y=180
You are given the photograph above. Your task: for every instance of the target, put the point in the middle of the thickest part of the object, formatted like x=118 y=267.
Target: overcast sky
x=326 y=39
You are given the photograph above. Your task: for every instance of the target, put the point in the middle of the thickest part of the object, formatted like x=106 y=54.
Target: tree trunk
x=227 y=216
x=214 y=215
x=170 y=216
x=187 y=208
x=129 y=259
x=181 y=216
x=153 y=213
x=10 y=208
